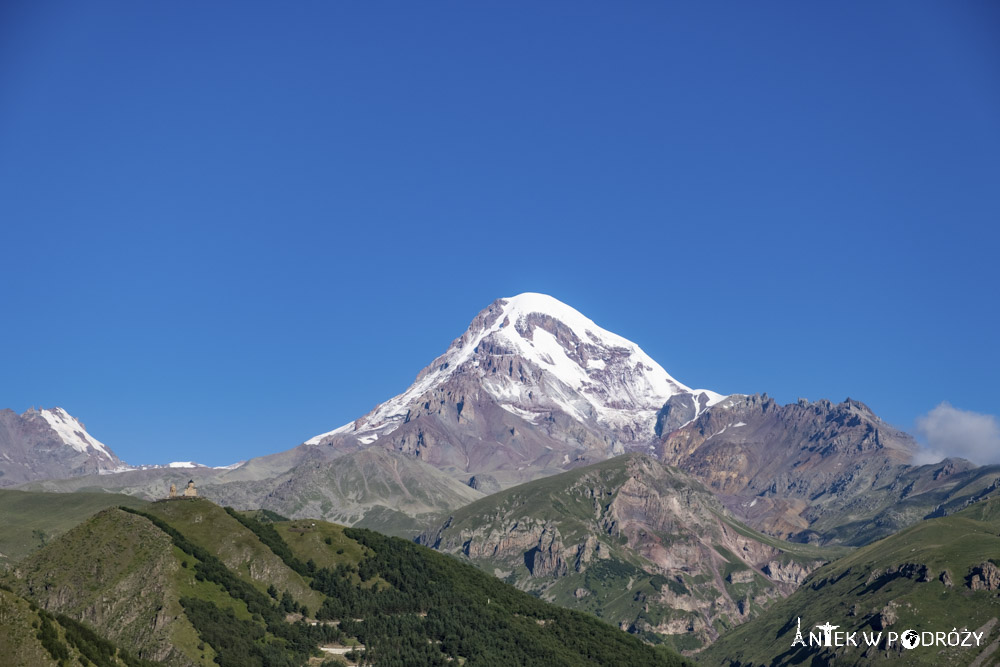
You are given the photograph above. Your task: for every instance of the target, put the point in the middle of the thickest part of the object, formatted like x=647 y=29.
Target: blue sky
x=229 y=226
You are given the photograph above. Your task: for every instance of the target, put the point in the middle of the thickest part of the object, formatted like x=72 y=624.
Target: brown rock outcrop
x=985 y=577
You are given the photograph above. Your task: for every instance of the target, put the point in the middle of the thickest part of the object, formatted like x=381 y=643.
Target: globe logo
x=910 y=639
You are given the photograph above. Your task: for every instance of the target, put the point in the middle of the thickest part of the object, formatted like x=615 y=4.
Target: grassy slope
x=308 y=541
x=29 y=519
x=209 y=526
x=545 y=498
x=850 y=592
x=916 y=495
x=19 y=645
x=122 y=575
x=120 y=552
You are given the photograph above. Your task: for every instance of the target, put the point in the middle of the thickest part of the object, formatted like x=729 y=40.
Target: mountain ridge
x=50 y=443
x=804 y=470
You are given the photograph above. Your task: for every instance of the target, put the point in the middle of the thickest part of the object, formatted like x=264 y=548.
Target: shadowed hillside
x=938 y=575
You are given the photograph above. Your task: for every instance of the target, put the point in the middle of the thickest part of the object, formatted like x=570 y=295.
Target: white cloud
x=951 y=432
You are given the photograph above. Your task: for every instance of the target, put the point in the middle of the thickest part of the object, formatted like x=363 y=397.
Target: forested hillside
x=187 y=583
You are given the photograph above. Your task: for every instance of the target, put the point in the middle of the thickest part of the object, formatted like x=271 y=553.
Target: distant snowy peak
x=69 y=429
x=533 y=354
x=50 y=444
x=73 y=434
x=192 y=465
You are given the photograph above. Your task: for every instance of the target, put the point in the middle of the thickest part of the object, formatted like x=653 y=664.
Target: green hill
x=938 y=575
x=120 y=574
x=30 y=519
x=206 y=525
x=188 y=583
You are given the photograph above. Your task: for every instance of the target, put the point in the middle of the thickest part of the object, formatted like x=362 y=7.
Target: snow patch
x=526 y=415
x=718 y=433
x=117 y=469
x=71 y=432
x=315 y=440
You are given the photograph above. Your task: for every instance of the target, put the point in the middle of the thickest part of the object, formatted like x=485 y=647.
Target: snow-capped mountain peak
x=50 y=444
x=72 y=433
x=534 y=354
x=580 y=356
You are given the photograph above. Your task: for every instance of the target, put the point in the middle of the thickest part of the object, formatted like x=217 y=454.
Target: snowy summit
x=72 y=432
x=533 y=354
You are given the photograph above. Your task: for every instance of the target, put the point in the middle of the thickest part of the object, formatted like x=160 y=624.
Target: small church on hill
x=189 y=491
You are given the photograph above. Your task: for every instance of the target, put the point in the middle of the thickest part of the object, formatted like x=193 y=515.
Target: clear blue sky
x=228 y=226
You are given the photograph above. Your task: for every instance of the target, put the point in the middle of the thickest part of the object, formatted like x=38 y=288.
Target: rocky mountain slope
x=44 y=444
x=349 y=488
x=639 y=544
x=814 y=471
x=940 y=575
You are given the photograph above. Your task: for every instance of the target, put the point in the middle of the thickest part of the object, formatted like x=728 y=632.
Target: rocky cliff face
x=984 y=577
x=21 y=645
x=782 y=467
x=44 y=444
x=531 y=388
x=823 y=472
x=629 y=525
x=114 y=572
